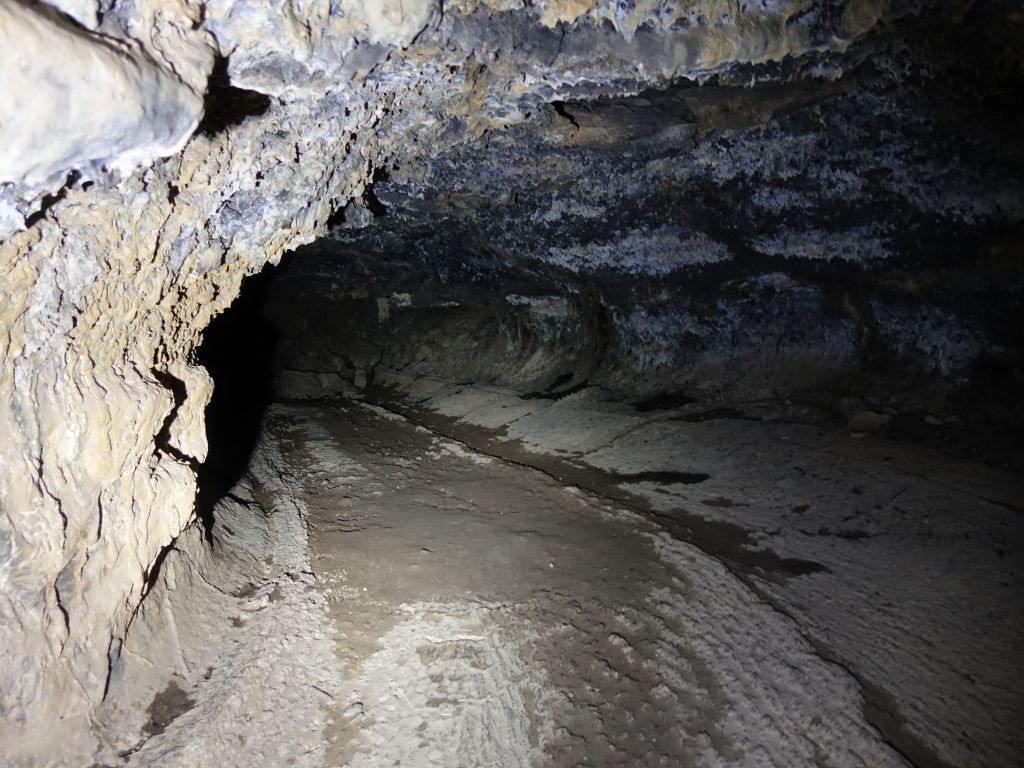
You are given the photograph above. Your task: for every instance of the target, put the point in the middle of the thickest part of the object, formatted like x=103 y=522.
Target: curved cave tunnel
x=672 y=309
x=675 y=426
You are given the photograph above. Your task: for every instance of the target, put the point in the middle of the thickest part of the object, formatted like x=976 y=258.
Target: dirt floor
x=453 y=595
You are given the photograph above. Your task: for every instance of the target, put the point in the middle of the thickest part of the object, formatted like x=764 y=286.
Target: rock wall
x=838 y=233
x=129 y=214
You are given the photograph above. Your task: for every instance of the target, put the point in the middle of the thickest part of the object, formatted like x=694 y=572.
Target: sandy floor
x=487 y=615
x=480 y=601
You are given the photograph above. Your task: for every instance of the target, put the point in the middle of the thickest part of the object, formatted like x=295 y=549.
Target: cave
x=573 y=383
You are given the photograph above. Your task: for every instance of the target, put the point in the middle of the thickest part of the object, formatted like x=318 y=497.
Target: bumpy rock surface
x=129 y=217
x=844 y=242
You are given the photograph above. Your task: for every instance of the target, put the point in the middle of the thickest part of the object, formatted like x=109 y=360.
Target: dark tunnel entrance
x=238 y=350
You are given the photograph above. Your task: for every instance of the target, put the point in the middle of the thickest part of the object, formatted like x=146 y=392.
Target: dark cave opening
x=238 y=350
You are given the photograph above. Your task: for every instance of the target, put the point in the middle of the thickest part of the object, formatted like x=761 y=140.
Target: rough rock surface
x=99 y=104
x=847 y=243
x=119 y=245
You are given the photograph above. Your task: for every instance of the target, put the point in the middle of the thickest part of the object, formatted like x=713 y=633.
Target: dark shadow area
x=225 y=105
x=165 y=707
x=50 y=200
x=238 y=350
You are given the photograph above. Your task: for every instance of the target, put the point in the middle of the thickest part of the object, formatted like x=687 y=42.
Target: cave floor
x=488 y=614
x=483 y=609
x=491 y=601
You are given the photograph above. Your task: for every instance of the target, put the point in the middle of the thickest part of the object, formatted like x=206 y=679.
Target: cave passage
x=547 y=568
x=635 y=384
x=677 y=429
x=238 y=350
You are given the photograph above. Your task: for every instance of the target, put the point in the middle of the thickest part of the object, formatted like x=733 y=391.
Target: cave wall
x=841 y=233
x=153 y=154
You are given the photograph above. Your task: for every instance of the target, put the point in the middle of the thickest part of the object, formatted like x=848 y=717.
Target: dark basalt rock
x=831 y=241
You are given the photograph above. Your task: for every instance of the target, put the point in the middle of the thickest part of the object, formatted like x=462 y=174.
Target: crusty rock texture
x=845 y=242
x=130 y=213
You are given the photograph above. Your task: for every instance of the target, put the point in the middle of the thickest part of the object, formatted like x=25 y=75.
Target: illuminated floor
x=769 y=594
